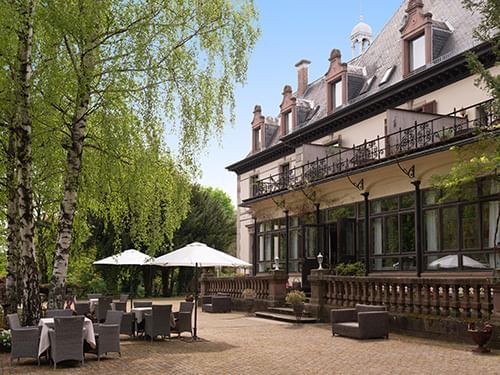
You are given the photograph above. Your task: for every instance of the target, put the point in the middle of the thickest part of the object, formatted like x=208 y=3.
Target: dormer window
x=336 y=79
x=416 y=52
x=337 y=94
x=287 y=125
x=257 y=133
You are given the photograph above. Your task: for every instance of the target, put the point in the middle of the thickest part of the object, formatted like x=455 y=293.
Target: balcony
x=408 y=140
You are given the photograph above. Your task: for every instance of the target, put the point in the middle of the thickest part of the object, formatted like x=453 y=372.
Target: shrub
x=5 y=339
x=350 y=269
x=295 y=296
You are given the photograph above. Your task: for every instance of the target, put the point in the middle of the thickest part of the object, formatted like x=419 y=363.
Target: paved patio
x=236 y=344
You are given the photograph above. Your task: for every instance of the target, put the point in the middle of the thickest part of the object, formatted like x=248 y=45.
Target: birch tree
x=186 y=56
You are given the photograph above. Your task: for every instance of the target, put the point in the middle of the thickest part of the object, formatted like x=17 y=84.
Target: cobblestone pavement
x=234 y=343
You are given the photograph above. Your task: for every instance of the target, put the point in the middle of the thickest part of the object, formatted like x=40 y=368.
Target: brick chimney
x=302 y=76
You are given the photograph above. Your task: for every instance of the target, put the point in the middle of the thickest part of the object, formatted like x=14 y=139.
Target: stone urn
x=298 y=310
x=249 y=302
x=480 y=337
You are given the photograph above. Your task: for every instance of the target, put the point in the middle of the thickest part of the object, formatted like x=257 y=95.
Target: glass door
x=313 y=236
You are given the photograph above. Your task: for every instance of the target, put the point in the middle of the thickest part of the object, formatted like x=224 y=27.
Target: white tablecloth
x=92 y=304
x=139 y=312
x=88 y=333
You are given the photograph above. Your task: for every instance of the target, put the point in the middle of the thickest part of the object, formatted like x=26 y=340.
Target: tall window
x=256 y=139
x=287 y=122
x=417 y=52
x=336 y=93
x=254 y=186
x=284 y=176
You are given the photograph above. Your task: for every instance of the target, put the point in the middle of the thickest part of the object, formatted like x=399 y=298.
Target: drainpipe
x=255 y=246
x=287 y=242
x=418 y=226
x=367 y=232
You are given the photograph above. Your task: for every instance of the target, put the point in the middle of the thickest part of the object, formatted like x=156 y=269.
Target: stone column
x=318 y=291
x=277 y=286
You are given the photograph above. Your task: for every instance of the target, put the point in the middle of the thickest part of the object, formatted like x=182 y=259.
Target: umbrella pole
x=195 y=337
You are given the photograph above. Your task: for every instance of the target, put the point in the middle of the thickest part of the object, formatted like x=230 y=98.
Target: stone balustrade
x=446 y=297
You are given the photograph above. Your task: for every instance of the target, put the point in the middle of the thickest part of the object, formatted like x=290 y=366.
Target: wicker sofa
x=362 y=322
x=216 y=304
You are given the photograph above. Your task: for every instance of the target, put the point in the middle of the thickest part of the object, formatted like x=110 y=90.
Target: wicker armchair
x=82 y=308
x=362 y=322
x=119 y=306
x=103 y=305
x=108 y=334
x=158 y=322
x=143 y=304
x=127 y=326
x=218 y=304
x=66 y=339
x=58 y=312
x=24 y=340
x=183 y=318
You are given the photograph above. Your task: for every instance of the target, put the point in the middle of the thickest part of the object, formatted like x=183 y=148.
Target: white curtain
x=431 y=230
x=493 y=209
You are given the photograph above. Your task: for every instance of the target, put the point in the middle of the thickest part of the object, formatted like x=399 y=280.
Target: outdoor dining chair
x=107 y=334
x=94 y=295
x=24 y=340
x=128 y=324
x=52 y=313
x=143 y=304
x=119 y=306
x=124 y=298
x=103 y=305
x=183 y=318
x=66 y=339
x=158 y=322
x=82 y=308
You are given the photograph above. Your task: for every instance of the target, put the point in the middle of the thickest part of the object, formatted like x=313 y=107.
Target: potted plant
x=5 y=340
x=296 y=298
x=249 y=295
x=480 y=336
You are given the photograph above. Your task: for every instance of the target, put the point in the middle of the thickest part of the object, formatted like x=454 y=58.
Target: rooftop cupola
x=361 y=37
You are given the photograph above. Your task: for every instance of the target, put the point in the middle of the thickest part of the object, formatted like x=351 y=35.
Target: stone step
x=284 y=317
x=287 y=311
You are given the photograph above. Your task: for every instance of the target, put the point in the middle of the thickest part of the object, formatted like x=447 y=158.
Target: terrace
x=434 y=134
x=235 y=343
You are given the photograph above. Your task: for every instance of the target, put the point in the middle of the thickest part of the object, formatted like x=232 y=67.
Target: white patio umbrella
x=129 y=257
x=451 y=261
x=196 y=255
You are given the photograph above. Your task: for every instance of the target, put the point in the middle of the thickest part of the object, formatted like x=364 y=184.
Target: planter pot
x=481 y=337
x=298 y=310
x=249 y=302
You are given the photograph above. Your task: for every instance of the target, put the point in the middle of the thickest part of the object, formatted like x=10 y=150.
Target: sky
x=291 y=30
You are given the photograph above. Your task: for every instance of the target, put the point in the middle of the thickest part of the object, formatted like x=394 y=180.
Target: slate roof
x=453 y=26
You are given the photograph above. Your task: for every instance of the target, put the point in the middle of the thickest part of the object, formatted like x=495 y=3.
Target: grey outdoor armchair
x=127 y=326
x=158 y=322
x=82 y=308
x=119 y=306
x=107 y=334
x=24 y=340
x=218 y=304
x=52 y=313
x=362 y=322
x=103 y=305
x=66 y=339
x=183 y=318
x=143 y=304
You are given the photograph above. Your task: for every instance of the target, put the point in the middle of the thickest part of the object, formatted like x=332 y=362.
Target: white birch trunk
x=71 y=180
x=30 y=297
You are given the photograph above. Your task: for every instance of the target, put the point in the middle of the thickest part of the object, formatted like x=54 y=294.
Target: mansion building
x=346 y=168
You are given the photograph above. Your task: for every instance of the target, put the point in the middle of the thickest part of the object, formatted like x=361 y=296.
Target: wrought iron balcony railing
x=432 y=133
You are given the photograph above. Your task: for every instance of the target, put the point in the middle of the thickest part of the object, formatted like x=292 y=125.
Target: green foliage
x=350 y=269
x=5 y=339
x=83 y=276
x=295 y=296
